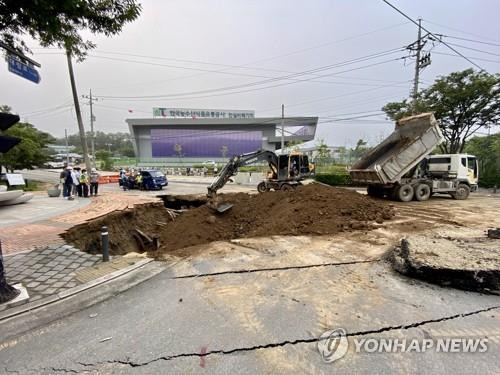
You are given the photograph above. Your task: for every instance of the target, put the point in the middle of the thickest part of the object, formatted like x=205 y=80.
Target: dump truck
x=402 y=167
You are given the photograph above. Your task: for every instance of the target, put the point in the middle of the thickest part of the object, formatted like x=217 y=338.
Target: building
x=186 y=141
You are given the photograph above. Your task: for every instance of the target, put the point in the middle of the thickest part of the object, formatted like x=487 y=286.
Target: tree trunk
x=78 y=112
x=7 y=292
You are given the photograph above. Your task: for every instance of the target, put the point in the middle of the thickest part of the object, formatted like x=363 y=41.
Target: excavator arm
x=231 y=168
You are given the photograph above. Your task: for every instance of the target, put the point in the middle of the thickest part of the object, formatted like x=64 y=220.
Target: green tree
x=463 y=102
x=360 y=149
x=487 y=150
x=31 y=152
x=106 y=163
x=59 y=23
x=322 y=149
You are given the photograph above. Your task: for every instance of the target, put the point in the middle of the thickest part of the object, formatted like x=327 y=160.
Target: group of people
x=130 y=179
x=76 y=181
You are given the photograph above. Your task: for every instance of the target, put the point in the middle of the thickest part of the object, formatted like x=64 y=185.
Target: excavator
x=286 y=171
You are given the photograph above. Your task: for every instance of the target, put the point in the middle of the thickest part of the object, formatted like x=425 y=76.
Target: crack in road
x=276 y=269
x=130 y=363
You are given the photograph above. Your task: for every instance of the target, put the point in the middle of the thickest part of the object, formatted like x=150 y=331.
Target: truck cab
x=462 y=167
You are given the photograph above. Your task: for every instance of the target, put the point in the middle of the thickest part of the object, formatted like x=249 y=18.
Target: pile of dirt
x=308 y=210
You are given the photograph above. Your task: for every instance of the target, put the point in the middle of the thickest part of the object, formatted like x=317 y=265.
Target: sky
x=246 y=54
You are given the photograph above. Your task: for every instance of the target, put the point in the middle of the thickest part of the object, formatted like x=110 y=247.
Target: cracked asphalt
x=262 y=310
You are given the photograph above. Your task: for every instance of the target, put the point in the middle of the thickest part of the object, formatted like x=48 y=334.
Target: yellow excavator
x=286 y=171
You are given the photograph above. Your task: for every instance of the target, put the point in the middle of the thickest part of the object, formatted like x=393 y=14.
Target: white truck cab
x=456 y=174
x=462 y=167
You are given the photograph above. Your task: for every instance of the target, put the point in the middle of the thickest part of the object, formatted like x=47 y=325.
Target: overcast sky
x=200 y=48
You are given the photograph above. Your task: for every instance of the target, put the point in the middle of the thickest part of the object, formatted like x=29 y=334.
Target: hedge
x=337 y=179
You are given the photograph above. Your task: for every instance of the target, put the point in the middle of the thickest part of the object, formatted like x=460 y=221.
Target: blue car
x=153 y=180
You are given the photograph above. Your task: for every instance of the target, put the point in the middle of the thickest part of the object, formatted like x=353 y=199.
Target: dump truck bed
x=412 y=140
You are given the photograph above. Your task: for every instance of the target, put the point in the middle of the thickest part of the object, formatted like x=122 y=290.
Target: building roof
x=289 y=121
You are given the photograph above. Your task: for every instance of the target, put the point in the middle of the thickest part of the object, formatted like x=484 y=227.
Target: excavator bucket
x=223 y=207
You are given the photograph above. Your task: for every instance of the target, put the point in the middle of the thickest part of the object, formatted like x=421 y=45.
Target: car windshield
x=156 y=173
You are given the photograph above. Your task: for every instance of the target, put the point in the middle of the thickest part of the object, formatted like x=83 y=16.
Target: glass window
x=203 y=143
x=464 y=162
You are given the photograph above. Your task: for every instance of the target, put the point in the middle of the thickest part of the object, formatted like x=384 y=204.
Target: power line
x=423 y=28
x=475 y=58
x=470 y=40
x=475 y=49
x=460 y=31
x=245 y=91
x=296 y=51
x=334 y=97
x=269 y=80
x=49 y=109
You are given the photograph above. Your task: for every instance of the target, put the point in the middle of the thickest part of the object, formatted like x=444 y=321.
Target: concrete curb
x=21 y=319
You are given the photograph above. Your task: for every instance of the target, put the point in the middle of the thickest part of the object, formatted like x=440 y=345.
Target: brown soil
x=309 y=210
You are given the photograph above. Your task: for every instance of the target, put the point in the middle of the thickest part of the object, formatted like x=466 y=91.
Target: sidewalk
x=36 y=257
x=29 y=233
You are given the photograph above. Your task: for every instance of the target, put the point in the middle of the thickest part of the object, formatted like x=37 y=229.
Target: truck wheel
x=405 y=193
x=422 y=192
x=261 y=187
x=462 y=192
x=286 y=187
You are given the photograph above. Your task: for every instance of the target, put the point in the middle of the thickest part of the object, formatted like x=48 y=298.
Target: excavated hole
x=187 y=220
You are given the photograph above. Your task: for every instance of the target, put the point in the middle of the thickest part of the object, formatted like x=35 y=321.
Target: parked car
x=153 y=179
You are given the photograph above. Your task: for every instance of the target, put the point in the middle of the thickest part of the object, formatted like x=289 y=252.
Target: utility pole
x=78 y=112
x=92 y=135
x=67 y=147
x=417 y=67
x=282 y=128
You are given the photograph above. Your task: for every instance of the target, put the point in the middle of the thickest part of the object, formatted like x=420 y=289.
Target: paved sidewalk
x=32 y=235
x=48 y=271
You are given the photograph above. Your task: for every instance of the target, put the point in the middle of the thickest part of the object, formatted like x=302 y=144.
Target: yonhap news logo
x=334 y=344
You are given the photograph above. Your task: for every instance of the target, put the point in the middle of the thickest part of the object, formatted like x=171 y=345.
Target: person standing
x=68 y=183
x=78 y=187
x=94 y=182
x=84 y=183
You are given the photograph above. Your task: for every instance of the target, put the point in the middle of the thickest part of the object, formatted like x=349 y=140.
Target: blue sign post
x=23 y=70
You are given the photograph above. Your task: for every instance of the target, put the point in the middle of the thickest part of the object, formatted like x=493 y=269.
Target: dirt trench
x=313 y=209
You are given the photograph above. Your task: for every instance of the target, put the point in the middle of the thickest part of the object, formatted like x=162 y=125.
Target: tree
x=360 y=149
x=31 y=152
x=487 y=150
x=105 y=158
x=59 y=23
x=463 y=102
x=322 y=149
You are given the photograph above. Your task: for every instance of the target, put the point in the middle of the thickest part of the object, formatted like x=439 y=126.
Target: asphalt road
x=177 y=184
x=199 y=315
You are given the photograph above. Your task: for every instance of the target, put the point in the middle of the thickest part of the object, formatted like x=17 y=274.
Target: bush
x=337 y=179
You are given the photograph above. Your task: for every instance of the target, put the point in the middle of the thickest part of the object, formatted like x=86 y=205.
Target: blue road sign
x=23 y=70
